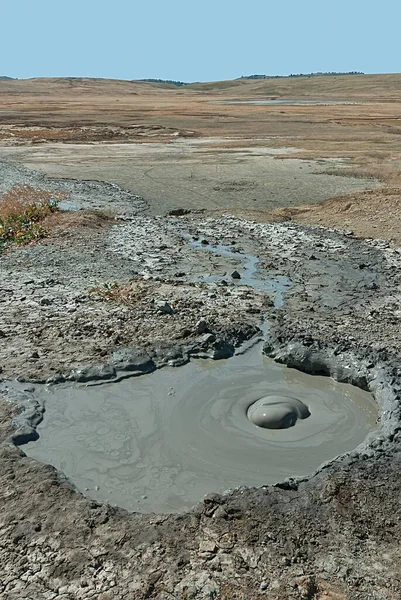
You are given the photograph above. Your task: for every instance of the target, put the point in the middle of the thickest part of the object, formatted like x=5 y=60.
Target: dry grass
x=366 y=133
x=22 y=212
x=114 y=292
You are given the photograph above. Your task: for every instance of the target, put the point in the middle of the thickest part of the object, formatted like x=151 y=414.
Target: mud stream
x=249 y=271
x=160 y=442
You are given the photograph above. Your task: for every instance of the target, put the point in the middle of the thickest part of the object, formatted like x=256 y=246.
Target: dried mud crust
x=334 y=536
x=85 y=194
x=21 y=135
x=76 y=298
x=195 y=174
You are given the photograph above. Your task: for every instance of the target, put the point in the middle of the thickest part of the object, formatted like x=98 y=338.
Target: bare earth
x=312 y=191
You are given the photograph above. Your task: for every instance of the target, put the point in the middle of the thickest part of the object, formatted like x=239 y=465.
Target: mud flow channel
x=159 y=442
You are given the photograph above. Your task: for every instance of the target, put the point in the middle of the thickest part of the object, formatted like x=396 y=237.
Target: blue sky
x=203 y=40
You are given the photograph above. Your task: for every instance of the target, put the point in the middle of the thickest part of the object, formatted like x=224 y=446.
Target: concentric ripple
x=159 y=442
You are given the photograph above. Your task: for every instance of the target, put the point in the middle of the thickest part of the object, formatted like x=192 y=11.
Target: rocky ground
x=105 y=295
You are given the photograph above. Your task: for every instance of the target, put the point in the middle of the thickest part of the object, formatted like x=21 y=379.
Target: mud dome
x=160 y=442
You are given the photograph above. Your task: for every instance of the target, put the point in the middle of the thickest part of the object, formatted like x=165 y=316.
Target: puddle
x=65 y=205
x=160 y=442
x=248 y=272
x=284 y=102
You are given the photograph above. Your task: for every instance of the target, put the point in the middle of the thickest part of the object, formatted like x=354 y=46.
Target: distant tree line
x=318 y=74
x=172 y=82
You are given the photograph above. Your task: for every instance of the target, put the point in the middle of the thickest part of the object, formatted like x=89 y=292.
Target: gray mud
x=93 y=194
x=160 y=442
x=332 y=535
x=189 y=174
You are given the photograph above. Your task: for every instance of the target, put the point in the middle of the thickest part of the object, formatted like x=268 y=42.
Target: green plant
x=22 y=212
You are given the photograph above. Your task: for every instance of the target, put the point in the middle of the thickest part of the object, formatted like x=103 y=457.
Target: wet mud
x=160 y=442
x=168 y=303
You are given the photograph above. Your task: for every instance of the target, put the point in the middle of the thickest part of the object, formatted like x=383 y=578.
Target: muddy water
x=160 y=442
x=248 y=271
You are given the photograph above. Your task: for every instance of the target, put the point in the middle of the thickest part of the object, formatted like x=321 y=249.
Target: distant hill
x=5 y=78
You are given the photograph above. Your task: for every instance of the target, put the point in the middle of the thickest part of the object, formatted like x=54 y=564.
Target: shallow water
x=159 y=442
x=248 y=268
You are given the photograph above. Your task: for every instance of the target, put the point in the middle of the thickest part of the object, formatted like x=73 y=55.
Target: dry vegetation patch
x=23 y=211
x=72 y=224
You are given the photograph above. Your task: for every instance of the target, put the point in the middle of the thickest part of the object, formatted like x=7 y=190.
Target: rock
x=220 y=513
x=207 y=339
x=222 y=349
x=201 y=326
x=207 y=546
x=164 y=308
x=213 y=498
x=25 y=434
x=56 y=379
x=178 y=212
x=235 y=275
x=46 y=301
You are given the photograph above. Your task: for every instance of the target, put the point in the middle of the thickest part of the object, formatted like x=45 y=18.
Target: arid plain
x=183 y=147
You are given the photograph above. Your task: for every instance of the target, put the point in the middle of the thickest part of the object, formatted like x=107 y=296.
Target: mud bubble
x=277 y=412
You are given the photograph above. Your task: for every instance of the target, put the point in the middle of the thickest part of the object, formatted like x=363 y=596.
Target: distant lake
x=284 y=102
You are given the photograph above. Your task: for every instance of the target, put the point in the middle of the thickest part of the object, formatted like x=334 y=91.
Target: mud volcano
x=159 y=442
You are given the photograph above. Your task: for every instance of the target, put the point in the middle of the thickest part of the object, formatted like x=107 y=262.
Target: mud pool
x=160 y=442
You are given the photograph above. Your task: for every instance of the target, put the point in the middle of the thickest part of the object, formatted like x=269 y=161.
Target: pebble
x=201 y=326
x=164 y=307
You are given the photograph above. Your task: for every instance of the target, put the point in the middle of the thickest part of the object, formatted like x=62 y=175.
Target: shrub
x=22 y=211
